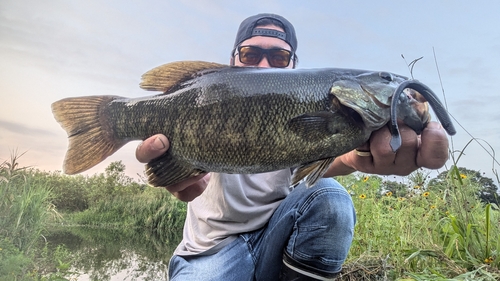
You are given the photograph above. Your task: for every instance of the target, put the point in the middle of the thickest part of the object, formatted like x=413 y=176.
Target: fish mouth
x=419 y=104
x=407 y=107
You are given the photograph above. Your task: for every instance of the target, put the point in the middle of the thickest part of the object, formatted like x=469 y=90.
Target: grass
x=422 y=229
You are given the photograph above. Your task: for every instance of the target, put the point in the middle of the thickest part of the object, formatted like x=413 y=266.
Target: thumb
x=152 y=148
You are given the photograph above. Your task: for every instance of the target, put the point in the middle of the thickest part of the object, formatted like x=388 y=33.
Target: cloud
x=54 y=49
x=23 y=129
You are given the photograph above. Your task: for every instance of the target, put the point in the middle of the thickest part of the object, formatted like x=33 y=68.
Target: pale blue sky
x=55 y=49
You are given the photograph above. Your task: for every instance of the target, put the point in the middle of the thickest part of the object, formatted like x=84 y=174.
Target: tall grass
x=25 y=208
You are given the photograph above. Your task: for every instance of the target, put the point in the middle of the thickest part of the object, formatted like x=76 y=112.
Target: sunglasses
x=252 y=55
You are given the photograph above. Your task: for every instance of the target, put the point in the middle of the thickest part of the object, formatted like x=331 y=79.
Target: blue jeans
x=314 y=226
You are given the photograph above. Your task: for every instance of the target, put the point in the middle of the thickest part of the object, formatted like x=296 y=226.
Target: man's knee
x=333 y=204
x=324 y=228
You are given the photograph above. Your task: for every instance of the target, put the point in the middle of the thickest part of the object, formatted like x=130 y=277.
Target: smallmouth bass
x=245 y=120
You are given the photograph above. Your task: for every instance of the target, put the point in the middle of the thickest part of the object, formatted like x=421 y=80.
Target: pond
x=114 y=254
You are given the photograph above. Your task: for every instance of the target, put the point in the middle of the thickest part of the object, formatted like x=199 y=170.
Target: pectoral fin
x=313 y=171
x=165 y=171
x=316 y=125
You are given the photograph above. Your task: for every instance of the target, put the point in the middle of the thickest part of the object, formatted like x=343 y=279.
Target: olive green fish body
x=233 y=120
x=222 y=122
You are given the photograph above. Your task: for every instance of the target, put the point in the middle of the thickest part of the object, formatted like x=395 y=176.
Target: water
x=114 y=254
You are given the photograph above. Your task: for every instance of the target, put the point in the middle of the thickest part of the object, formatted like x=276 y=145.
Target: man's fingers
x=190 y=188
x=429 y=150
x=180 y=186
x=152 y=148
x=189 y=194
x=433 y=152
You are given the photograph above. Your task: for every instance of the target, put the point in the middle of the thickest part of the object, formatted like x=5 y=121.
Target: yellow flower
x=388 y=193
x=488 y=260
x=362 y=196
x=433 y=207
x=427 y=193
x=463 y=176
x=401 y=199
x=417 y=187
x=366 y=178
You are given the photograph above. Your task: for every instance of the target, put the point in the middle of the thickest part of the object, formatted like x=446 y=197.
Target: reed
x=25 y=208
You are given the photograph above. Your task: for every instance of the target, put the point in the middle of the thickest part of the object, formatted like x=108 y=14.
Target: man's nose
x=264 y=62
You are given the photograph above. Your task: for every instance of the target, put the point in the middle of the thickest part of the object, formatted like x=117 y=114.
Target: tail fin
x=90 y=134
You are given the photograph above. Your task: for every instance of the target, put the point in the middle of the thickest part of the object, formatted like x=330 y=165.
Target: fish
x=245 y=120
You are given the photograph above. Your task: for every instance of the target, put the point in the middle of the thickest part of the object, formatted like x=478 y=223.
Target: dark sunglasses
x=276 y=57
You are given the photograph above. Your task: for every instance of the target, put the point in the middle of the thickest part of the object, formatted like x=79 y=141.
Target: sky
x=55 y=49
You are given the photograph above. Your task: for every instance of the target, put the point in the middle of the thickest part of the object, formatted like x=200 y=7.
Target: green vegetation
x=25 y=209
x=443 y=228
x=425 y=229
x=33 y=202
x=112 y=200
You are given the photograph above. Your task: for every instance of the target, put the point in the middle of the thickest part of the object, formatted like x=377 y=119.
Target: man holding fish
x=257 y=227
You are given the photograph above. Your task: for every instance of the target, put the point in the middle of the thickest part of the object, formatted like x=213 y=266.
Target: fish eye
x=386 y=76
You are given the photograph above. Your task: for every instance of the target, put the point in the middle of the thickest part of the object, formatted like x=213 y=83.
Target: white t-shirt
x=230 y=205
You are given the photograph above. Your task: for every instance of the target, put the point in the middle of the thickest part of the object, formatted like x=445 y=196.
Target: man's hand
x=429 y=150
x=186 y=190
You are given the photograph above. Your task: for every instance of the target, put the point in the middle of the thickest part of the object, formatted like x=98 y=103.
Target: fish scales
x=243 y=120
x=239 y=127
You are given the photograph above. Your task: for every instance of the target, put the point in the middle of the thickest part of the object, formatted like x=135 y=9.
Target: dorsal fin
x=164 y=77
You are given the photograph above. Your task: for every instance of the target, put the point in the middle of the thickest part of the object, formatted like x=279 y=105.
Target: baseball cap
x=247 y=30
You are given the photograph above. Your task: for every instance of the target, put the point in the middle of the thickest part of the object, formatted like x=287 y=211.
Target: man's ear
x=231 y=61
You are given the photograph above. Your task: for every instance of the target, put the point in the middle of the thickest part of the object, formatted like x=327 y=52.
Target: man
x=254 y=227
